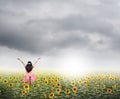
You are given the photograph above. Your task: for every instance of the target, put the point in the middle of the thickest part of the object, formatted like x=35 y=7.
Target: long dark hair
x=29 y=66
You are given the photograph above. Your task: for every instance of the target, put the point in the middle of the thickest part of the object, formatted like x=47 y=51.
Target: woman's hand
x=18 y=58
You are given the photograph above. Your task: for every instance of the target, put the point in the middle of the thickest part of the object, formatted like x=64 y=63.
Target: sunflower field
x=57 y=86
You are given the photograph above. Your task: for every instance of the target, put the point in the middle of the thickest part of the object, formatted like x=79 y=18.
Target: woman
x=29 y=77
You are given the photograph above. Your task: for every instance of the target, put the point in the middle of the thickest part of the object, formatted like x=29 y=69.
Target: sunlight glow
x=75 y=65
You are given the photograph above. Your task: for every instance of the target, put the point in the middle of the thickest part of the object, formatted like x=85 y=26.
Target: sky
x=74 y=36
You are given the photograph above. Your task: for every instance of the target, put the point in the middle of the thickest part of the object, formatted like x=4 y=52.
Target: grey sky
x=52 y=29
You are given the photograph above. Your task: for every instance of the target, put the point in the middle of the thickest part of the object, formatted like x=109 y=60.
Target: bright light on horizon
x=70 y=62
x=73 y=64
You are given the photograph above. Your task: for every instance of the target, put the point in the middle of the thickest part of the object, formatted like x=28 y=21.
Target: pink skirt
x=29 y=78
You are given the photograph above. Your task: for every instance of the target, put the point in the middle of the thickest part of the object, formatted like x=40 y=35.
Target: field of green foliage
x=56 y=86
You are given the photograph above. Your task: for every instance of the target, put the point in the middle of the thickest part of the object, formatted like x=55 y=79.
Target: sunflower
x=10 y=85
x=46 y=81
x=15 y=80
x=5 y=81
x=99 y=80
x=88 y=78
x=45 y=96
x=10 y=78
x=112 y=77
x=38 y=85
x=26 y=87
x=80 y=81
x=109 y=90
x=23 y=92
x=49 y=78
x=56 y=80
x=53 y=86
x=67 y=91
x=74 y=89
x=44 y=78
x=114 y=86
x=86 y=83
x=53 y=77
x=0 y=77
x=52 y=80
x=103 y=86
x=58 y=84
x=96 y=86
x=51 y=95
x=73 y=83
x=58 y=90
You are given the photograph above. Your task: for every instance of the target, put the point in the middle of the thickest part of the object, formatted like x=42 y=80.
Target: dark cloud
x=115 y=43
x=109 y=2
x=75 y=23
x=42 y=26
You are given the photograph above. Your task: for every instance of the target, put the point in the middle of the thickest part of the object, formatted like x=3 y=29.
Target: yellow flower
x=23 y=92
x=111 y=77
x=53 y=86
x=10 y=78
x=52 y=80
x=67 y=91
x=56 y=80
x=51 y=95
x=114 y=86
x=38 y=85
x=5 y=81
x=58 y=90
x=88 y=78
x=10 y=85
x=73 y=83
x=96 y=86
x=15 y=81
x=74 y=89
x=109 y=90
x=86 y=83
x=46 y=81
x=45 y=96
x=99 y=79
x=80 y=81
x=104 y=86
x=26 y=87
x=0 y=77
x=58 y=84
x=53 y=76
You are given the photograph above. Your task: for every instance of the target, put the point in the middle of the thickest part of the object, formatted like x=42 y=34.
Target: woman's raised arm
x=21 y=61
x=36 y=61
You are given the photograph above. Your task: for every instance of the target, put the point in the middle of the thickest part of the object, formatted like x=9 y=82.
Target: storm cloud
x=51 y=26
